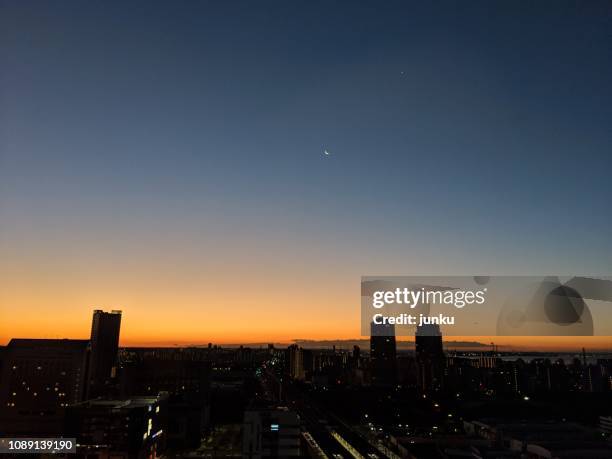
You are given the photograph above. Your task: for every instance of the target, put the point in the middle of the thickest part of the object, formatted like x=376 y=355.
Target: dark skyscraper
x=429 y=357
x=296 y=362
x=383 y=354
x=104 y=340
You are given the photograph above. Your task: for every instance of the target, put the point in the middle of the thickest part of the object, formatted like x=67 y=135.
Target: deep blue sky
x=465 y=137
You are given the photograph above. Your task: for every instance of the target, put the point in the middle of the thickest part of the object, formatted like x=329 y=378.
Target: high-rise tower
x=104 y=341
x=383 y=354
x=430 y=357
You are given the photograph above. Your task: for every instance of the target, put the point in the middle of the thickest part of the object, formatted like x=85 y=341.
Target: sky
x=167 y=158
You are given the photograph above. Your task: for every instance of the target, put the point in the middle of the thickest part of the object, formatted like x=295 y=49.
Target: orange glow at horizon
x=183 y=329
x=170 y=300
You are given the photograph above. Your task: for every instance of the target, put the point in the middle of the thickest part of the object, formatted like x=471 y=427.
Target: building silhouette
x=104 y=342
x=383 y=354
x=134 y=428
x=430 y=357
x=270 y=431
x=184 y=377
x=296 y=362
x=40 y=378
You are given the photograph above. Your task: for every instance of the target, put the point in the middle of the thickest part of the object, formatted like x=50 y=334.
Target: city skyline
x=289 y=398
x=569 y=344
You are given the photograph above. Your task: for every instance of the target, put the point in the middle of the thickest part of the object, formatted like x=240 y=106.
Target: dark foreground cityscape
x=208 y=402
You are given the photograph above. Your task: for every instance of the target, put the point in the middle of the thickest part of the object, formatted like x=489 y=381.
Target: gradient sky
x=166 y=158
